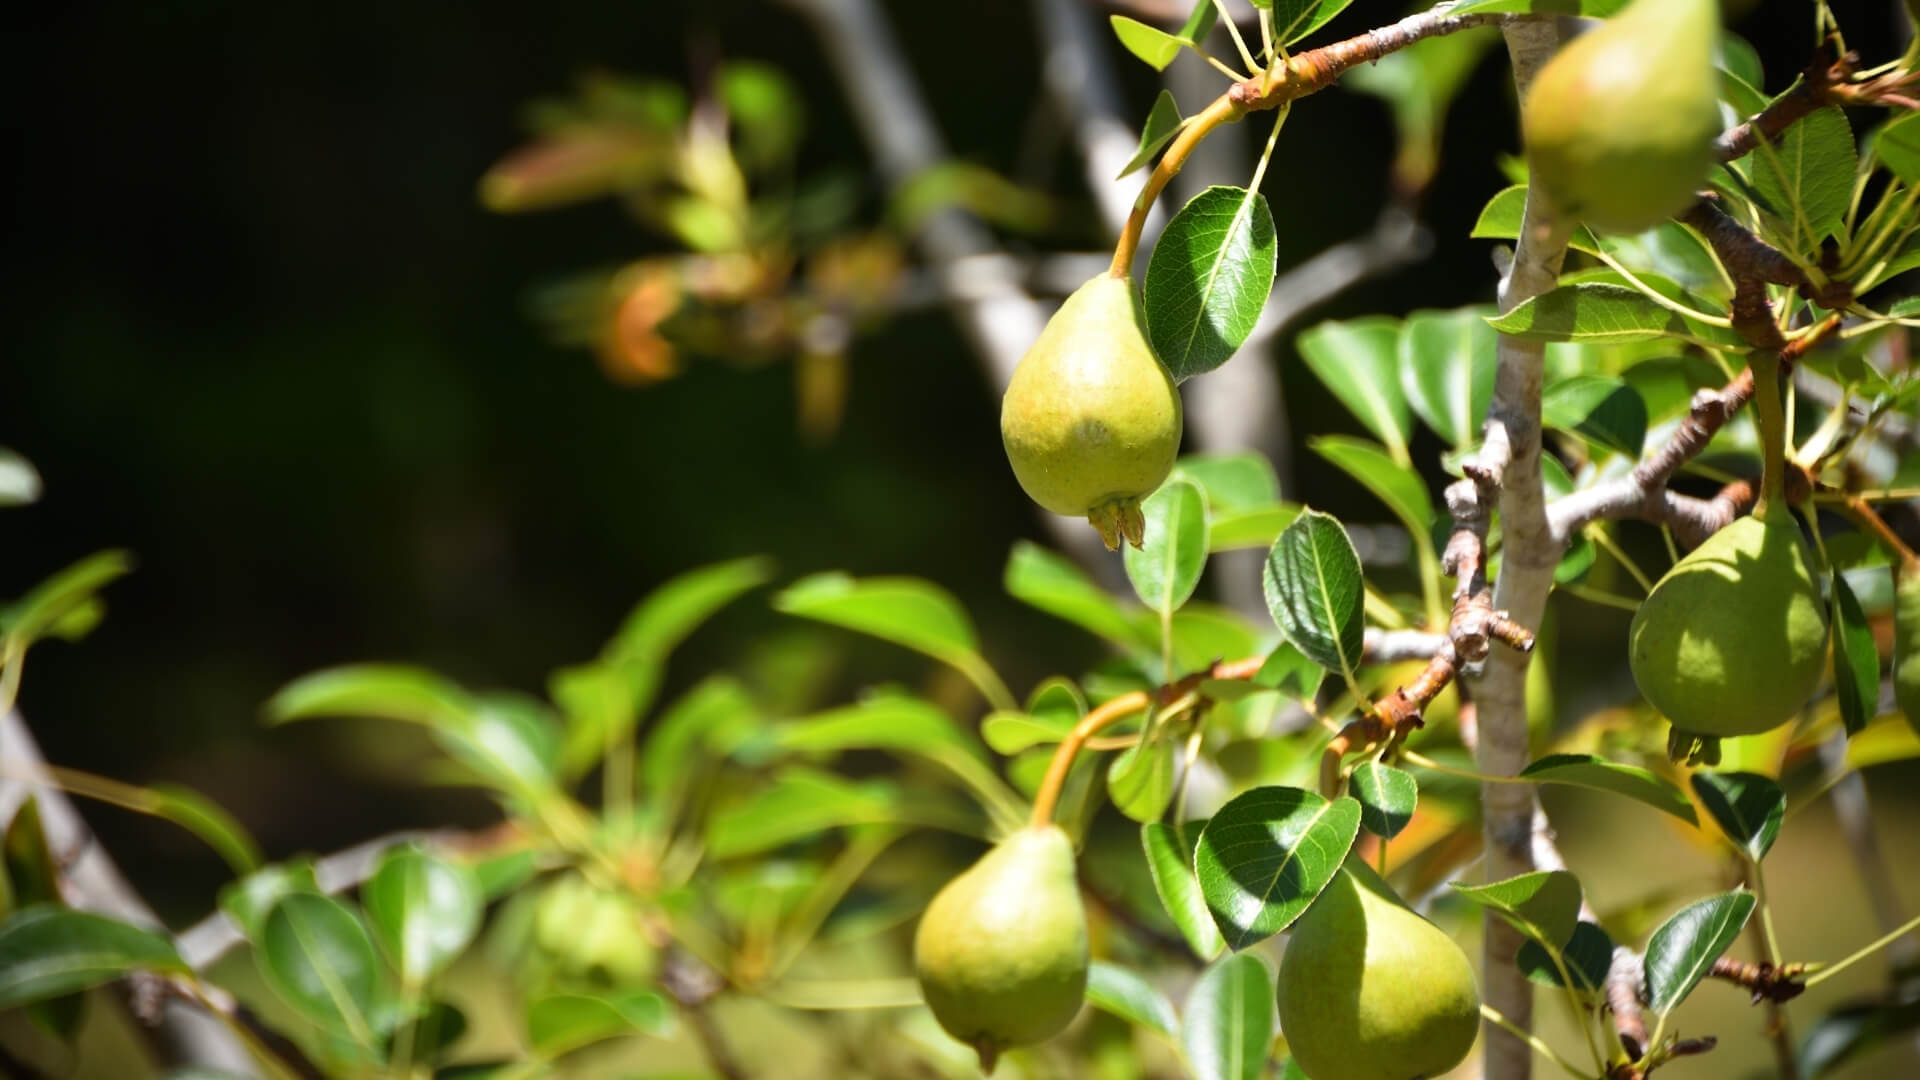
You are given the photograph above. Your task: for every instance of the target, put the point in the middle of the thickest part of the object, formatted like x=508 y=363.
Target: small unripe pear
x=1906 y=642
x=1620 y=124
x=1001 y=953
x=1369 y=990
x=1091 y=420
x=1733 y=640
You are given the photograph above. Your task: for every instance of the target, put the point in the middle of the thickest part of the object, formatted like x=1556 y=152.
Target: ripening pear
x=1091 y=420
x=1369 y=990
x=1906 y=641
x=1733 y=640
x=1001 y=952
x=1620 y=124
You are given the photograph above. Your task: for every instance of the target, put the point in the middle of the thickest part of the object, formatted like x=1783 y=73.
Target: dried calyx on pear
x=1091 y=419
x=1620 y=124
x=1002 y=953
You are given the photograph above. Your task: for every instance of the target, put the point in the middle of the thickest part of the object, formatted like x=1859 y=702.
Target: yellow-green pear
x=1620 y=123
x=1001 y=953
x=1369 y=990
x=1733 y=640
x=1906 y=641
x=1091 y=420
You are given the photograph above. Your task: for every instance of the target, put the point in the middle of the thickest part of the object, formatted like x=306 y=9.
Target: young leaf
x=48 y=951
x=1501 y=217
x=210 y=822
x=560 y=1023
x=1155 y=48
x=1228 y=1023
x=1748 y=808
x=1008 y=733
x=1896 y=144
x=1163 y=123
x=1599 y=774
x=1588 y=956
x=1683 y=950
x=1140 y=780
x=1315 y=593
x=1446 y=370
x=1165 y=569
x=1265 y=856
x=1053 y=584
x=1170 y=861
x=1386 y=796
x=1603 y=408
x=1397 y=485
x=675 y=609
x=711 y=719
x=1856 y=659
x=1295 y=19
x=424 y=910
x=1359 y=361
x=906 y=611
x=26 y=619
x=1603 y=313
x=1544 y=904
x=1114 y=989
x=1806 y=176
x=316 y=956
x=1208 y=279
x=383 y=691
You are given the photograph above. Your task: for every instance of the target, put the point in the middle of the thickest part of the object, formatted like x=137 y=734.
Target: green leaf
x=1596 y=9
x=561 y=1023
x=1170 y=862
x=48 y=951
x=1581 y=550
x=29 y=870
x=1588 y=956
x=1420 y=84
x=1315 y=593
x=675 y=609
x=424 y=910
x=1203 y=633
x=1501 y=217
x=1163 y=123
x=19 y=481
x=1231 y=481
x=1446 y=370
x=249 y=900
x=1165 y=569
x=35 y=614
x=1683 y=950
x=1856 y=659
x=209 y=821
x=1053 y=584
x=1851 y=1029
x=1008 y=733
x=906 y=611
x=381 y=691
x=887 y=722
x=1265 y=856
x=1602 y=313
x=1896 y=144
x=1748 y=808
x=1544 y=904
x=1140 y=780
x=1238 y=530
x=1208 y=279
x=1295 y=19
x=1155 y=48
x=1386 y=796
x=1359 y=362
x=711 y=719
x=1114 y=989
x=1806 y=176
x=511 y=741
x=1227 y=1026
x=799 y=803
x=1395 y=484
x=314 y=953
x=1289 y=671
x=1603 y=408
x=1599 y=774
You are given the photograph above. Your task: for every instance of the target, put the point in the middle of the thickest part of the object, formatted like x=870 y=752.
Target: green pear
x=1369 y=990
x=1091 y=420
x=1001 y=953
x=1620 y=124
x=1906 y=641
x=1733 y=640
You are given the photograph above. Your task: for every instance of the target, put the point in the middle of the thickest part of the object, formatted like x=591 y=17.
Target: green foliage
x=1208 y=279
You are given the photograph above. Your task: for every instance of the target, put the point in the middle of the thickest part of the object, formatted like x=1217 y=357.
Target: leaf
x=707 y=721
x=1163 y=123
x=1446 y=370
x=1166 y=567
x=678 y=607
x=906 y=611
x=1596 y=9
x=1850 y=1029
x=1237 y=530
x=19 y=481
x=1599 y=774
x=1140 y=780
x=1603 y=408
x=888 y=722
x=1806 y=177
x=382 y=691
x=1501 y=217
x=47 y=951
x=1896 y=144
x=803 y=802
x=1155 y=48
x=1265 y=856
x=35 y=614
x=1856 y=659
x=1359 y=362
x=209 y=821
x=1603 y=313
x=1420 y=84
x=1053 y=584
x=1170 y=862
x=1581 y=550
x=1231 y=481
x=424 y=910
x=1683 y=950
x=1289 y=671
x=1544 y=904
x=1315 y=593
x=317 y=957
x=249 y=900
x=1386 y=796
x=1748 y=808
x=1114 y=989
x=1008 y=733
x=561 y=1023
x=29 y=869
x=1228 y=1023
x=1208 y=279
x=1588 y=956
x=1295 y=19
x=1397 y=485
x=511 y=741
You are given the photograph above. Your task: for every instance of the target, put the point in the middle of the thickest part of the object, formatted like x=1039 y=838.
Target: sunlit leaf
x=1806 y=176
x=1359 y=361
x=1386 y=795
x=1315 y=593
x=423 y=909
x=1163 y=123
x=1896 y=143
x=1208 y=279
x=1228 y=1023
x=1599 y=774
x=1231 y=481
x=315 y=954
x=1155 y=48
x=1446 y=369
x=1165 y=569
x=1544 y=905
x=1266 y=854
x=1604 y=313
x=1116 y=990
x=1170 y=861
x=1748 y=808
x=1683 y=950
x=1397 y=485
x=1053 y=584
x=1295 y=19
x=1140 y=780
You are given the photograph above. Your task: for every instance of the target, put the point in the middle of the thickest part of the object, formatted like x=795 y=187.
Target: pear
x=1091 y=420
x=1001 y=953
x=1906 y=641
x=1369 y=990
x=1620 y=123
x=1733 y=640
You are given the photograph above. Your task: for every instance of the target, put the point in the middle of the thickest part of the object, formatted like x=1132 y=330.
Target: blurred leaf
x=1140 y=780
x=1227 y=1026
x=1599 y=774
x=1849 y=1030
x=1288 y=670
x=1266 y=854
x=764 y=107
x=1053 y=584
x=906 y=611
x=708 y=720
x=974 y=188
x=562 y=1023
x=209 y=821
x=1165 y=569
x=1446 y=361
x=28 y=618
x=317 y=957
x=1420 y=84
x=885 y=722
x=1208 y=279
x=1163 y=123
x=1155 y=48
x=1603 y=408
x=1896 y=144
x=576 y=164
x=249 y=900
x=1395 y=484
x=1597 y=9
x=801 y=802
x=1856 y=659
x=1170 y=862
x=1581 y=551
x=1888 y=739
x=511 y=741
x=19 y=481
x=1544 y=904
x=1683 y=950
x=1806 y=175
x=1009 y=733
x=1501 y=217
x=1386 y=796
x=1588 y=956
x=1238 y=530
x=29 y=870
x=436 y=1030
x=382 y=691
x=1232 y=481
x=1114 y=989
x=1359 y=361
x=1203 y=633
x=424 y=910
x=1747 y=807
x=1601 y=312
x=1315 y=593
x=48 y=951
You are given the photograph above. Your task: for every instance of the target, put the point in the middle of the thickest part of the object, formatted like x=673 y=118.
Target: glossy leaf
x=1165 y=569
x=1603 y=408
x=1163 y=123
x=1386 y=795
x=1208 y=279
x=423 y=909
x=1856 y=659
x=47 y=951
x=1805 y=177
x=1231 y=481
x=1588 y=956
x=1501 y=218
x=561 y=1023
x=1748 y=808
x=1544 y=904
x=1114 y=989
x=1603 y=313
x=1053 y=584
x=1238 y=530
x=1599 y=774
x=35 y=614
x=1446 y=370
x=19 y=480
x=1397 y=485
x=1170 y=862
x=1315 y=593
x=1008 y=733
x=1295 y=19
x=1140 y=780
x=1227 y=1026
x=1683 y=950
x=1265 y=856
x=249 y=900
x=316 y=956
x=1359 y=362
x=906 y=611
x=1595 y=9
x=1155 y=48
x=1896 y=144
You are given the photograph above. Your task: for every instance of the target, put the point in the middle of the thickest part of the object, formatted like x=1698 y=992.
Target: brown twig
x=1817 y=87
x=1765 y=981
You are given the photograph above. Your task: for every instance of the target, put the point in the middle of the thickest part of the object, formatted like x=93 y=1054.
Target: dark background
x=260 y=332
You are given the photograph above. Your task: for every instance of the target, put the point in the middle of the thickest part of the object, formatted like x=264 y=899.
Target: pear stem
x=1224 y=110
x=1771 y=417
